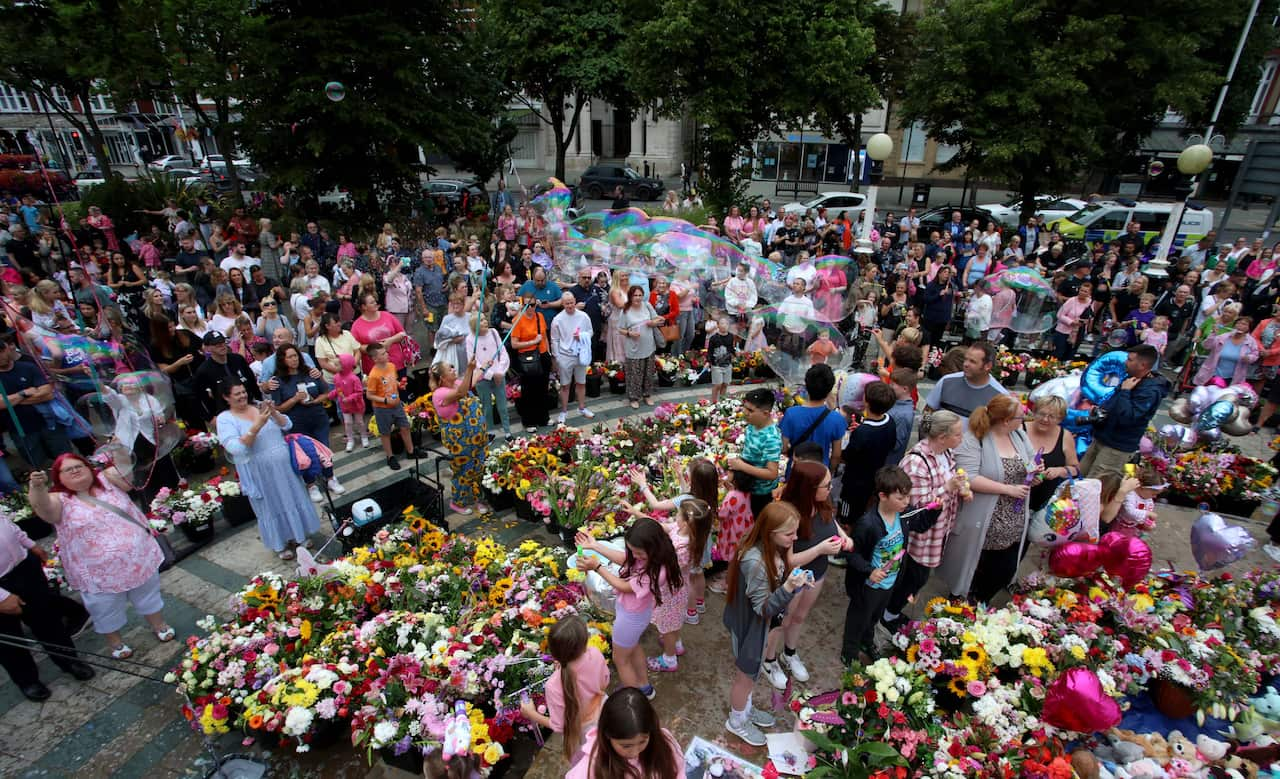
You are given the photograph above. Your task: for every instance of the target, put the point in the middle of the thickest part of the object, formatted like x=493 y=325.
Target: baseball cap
x=214 y=337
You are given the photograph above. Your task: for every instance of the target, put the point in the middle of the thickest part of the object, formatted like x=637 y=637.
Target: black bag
x=533 y=363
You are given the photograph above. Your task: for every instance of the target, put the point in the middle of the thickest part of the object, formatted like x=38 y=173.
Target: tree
x=75 y=47
x=739 y=76
x=202 y=45
x=407 y=84
x=1087 y=82
x=556 y=56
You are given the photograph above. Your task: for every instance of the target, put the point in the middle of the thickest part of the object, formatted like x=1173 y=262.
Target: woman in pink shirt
x=576 y=689
x=1072 y=315
x=733 y=224
x=399 y=288
x=507 y=224
x=108 y=552
x=374 y=325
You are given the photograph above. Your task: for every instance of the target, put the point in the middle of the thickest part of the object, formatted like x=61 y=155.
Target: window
x=815 y=159
x=1151 y=222
x=1114 y=219
x=101 y=104
x=767 y=160
x=944 y=153
x=1264 y=86
x=913 y=139
x=788 y=161
x=59 y=97
x=13 y=101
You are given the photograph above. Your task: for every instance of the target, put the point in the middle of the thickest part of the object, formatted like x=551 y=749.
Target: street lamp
x=1193 y=161
x=879 y=147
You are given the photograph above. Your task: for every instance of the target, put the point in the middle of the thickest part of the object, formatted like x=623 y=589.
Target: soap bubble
x=335 y=91
x=797 y=339
x=1022 y=295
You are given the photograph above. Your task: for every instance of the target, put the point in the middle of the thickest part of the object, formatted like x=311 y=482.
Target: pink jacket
x=1248 y=356
x=348 y=386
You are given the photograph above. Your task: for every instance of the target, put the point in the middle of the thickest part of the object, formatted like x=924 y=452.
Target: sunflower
x=498 y=591
x=958 y=686
x=912 y=652
x=417 y=524
x=934 y=604
x=975 y=654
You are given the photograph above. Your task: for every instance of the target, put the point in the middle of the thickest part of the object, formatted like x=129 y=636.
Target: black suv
x=599 y=180
x=452 y=189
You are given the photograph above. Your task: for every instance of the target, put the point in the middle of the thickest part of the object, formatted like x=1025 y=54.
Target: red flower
x=770 y=771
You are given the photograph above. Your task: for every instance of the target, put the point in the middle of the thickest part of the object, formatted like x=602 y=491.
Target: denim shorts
x=387 y=418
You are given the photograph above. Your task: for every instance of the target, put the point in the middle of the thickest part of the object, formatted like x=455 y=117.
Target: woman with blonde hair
x=385 y=238
x=47 y=309
x=983 y=550
x=611 y=308
x=224 y=317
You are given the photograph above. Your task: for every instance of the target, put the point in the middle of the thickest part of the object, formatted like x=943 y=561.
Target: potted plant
x=595 y=378
x=236 y=508
x=617 y=378
x=189 y=510
x=195 y=453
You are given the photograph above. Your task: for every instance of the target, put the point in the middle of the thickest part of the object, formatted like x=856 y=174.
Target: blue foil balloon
x=1103 y=376
x=1216 y=415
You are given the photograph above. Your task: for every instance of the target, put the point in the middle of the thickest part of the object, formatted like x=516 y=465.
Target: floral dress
x=669 y=617
x=1008 y=523
x=102 y=552
x=466 y=437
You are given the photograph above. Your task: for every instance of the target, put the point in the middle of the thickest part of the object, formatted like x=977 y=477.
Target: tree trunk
x=717 y=191
x=98 y=144
x=1027 y=186
x=226 y=144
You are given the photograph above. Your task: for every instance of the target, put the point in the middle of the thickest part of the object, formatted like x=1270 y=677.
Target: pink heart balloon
x=1127 y=558
x=1076 y=701
x=1074 y=559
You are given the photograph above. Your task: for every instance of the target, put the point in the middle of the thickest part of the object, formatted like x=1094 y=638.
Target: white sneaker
x=314 y=493
x=794 y=666
x=364 y=443
x=747 y=731
x=560 y=419
x=1273 y=551
x=351 y=445
x=335 y=487
x=586 y=412
x=774 y=674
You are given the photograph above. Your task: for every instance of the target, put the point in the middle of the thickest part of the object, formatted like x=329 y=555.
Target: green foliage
x=739 y=77
x=558 y=54
x=122 y=200
x=858 y=762
x=1084 y=89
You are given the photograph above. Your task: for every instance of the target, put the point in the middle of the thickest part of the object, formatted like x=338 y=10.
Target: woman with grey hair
x=931 y=466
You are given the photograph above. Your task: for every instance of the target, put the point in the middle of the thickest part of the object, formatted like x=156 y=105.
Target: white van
x=1107 y=219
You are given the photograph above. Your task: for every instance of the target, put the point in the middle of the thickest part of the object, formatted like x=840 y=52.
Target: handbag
x=670 y=333
x=530 y=363
x=166 y=549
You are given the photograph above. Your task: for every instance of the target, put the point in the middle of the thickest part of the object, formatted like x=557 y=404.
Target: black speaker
x=415 y=489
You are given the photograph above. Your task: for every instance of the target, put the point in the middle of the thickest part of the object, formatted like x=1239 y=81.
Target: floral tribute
x=385 y=641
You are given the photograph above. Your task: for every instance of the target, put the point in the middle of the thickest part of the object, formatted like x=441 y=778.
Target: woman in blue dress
x=254 y=441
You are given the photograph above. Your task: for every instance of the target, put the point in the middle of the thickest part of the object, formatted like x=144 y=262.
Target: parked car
x=599 y=181
x=187 y=176
x=453 y=189
x=338 y=197
x=1048 y=208
x=834 y=202
x=216 y=176
x=218 y=159
x=89 y=178
x=169 y=161
x=935 y=218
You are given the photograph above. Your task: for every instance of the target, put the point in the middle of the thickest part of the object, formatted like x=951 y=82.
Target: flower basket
x=196 y=462
x=617 y=386
x=410 y=761
x=237 y=510
x=500 y=501
x=524 y=511
x=197 y=532
x=1006 y=378
x=666 y=379
x=1172 y=699
x=764 y=372
x=553 y=527
x=593 y=386
x=567 y=535
x=327 y=733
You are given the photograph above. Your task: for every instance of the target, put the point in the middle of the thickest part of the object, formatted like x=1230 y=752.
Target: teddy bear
x=1153 y=745
x=1183 y=758
x=1117 y=751
x=1146 y=768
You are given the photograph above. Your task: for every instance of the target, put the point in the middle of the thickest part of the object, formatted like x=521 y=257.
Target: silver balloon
x=1062 y=387
x=1202 y=397
x=1178 y=436
x=1213 y=417
x=1216 y=544
x=1239 y=423
x=1180 y=411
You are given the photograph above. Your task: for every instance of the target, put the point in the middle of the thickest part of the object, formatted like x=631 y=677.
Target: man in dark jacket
x=1128 y=412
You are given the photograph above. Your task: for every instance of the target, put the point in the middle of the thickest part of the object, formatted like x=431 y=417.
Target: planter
x=237 y=510
x=593 y=386
x=617 y=386
x=521 y=752
x=704 y=377
x=198 y=532
x=666 y=379
x=524 y=511
x=739 y=374
x=1007 y=378
x=1221 y=504
x=410 y=761
x=1172 y=699
x=326 y=734
x=196 y=463
x=765 y=372
x=567 y=535
x=1033 y=381
x=552 y=526
x=500 y=501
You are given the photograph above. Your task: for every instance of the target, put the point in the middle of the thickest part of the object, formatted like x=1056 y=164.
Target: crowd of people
x=260 y=336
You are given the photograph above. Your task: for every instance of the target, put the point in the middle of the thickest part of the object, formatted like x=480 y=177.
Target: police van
x=1106 y=220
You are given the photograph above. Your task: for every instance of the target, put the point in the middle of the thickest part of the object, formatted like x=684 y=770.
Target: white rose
x=298 y=721
x=892 y=695
x=383 y=733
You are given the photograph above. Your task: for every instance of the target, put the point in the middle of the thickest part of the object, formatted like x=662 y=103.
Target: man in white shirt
x=238 y=259
x=570 y=334
x=772 y=228
x=908 y=225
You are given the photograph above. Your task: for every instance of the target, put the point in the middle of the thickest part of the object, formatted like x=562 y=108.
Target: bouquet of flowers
x=613 y=371
x=1205 y=473
x=422 y=415
x=1009 y=364
x=575 y=495
x=15 y=506
x=194 y=507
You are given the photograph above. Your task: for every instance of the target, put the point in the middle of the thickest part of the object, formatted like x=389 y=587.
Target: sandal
x=165 y=635
x=122 y=652
x=286 y=554
x=635 y=404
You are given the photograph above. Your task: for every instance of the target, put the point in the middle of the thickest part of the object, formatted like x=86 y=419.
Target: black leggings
x=933 y=332
x=996 y=569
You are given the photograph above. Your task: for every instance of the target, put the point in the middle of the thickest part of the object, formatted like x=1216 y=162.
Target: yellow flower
x=1077 y=652
x=975 y=654
x=913 y=651
x=1142 y=602
x=971 y=669
x=493 y=753
x=957 y=686
x=305 y=630
x=1065 y=600
x=600 y=643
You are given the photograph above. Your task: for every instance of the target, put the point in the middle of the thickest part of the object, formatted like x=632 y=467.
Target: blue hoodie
x=1129 y=412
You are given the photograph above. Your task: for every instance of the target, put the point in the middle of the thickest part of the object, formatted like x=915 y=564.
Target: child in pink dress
x=349 y=390
x=734 y=516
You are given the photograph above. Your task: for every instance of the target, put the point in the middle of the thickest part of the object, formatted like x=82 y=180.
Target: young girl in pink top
x=629 y=742
x=649 y=568
x=349 y=390
x=576 y=689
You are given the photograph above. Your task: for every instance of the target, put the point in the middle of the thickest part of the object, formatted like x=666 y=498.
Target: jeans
x=1063 y=347
x=494 y=391
x=687 y=321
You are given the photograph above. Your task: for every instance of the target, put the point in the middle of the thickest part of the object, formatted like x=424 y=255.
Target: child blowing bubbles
x=648 y=568
x=879 y=542
x=575 y=689
x=698 y=481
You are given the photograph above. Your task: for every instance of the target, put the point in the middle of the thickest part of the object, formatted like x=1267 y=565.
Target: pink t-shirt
x=583 y=769
x=591 y=678
x=367 y=332
x=641 y=599
x=446 y=411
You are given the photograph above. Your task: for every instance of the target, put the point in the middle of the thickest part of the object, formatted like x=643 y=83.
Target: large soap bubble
x=335 y=91
x=796 y=339
x=1031 y=294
